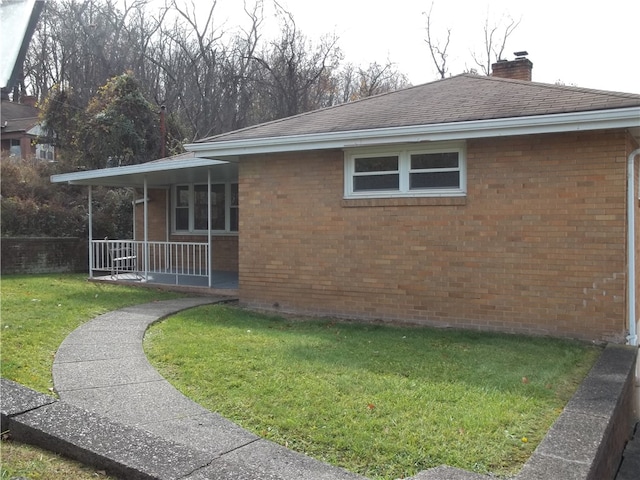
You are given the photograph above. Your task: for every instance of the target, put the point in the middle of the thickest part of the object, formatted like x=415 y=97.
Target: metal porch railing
x=144 y=258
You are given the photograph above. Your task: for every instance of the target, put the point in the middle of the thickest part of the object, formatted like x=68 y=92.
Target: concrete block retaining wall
x=587 y=440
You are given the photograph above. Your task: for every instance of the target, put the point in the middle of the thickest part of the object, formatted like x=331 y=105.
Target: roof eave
x=132 y=175
x=553 y=123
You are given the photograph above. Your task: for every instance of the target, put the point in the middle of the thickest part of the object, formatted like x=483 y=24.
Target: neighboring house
x=20 y=129
x=469 y=202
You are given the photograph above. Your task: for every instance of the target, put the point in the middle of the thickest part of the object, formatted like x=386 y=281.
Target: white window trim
x=404 y=153
x=191 y=230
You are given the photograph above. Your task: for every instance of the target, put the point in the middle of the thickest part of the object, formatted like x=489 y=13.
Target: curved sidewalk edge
x=117 y=413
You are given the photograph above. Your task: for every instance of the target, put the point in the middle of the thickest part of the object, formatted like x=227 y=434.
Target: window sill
x=214 y=233
x=404 y=202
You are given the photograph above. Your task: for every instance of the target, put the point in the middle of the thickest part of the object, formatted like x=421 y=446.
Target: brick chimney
x=29 y=100
x=518 y=69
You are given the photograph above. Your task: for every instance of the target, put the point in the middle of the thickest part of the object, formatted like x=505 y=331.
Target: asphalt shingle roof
x=19 y=117
x=461 y=98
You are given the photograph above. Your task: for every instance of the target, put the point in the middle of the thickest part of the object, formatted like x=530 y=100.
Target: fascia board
x=86 y=177
x=564 y=122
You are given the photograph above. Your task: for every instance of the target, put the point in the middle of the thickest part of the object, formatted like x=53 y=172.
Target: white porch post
x=90 y=232
x=146 y=231
x=209 y=241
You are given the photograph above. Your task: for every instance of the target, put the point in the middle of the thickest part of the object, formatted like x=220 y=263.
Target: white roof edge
x=553 y=123
x=142 y=168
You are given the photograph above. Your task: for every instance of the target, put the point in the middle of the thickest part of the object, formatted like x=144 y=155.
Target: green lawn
x=382 y=401
x=39 y=311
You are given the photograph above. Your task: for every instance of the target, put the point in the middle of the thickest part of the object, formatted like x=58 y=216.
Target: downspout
x=167 y=227
x=90 y=232
x=209 y=241
x=134 y=205
x=167 y=218
x=146 y=230
x=632 y=338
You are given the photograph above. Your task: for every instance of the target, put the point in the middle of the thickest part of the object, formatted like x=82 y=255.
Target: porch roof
x=185 y=168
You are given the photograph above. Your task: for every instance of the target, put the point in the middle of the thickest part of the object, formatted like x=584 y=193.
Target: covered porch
x=152 y=261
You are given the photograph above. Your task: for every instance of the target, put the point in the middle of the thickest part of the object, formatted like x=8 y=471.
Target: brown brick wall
x=225 y=247
x=537 y=246
x=157 y=207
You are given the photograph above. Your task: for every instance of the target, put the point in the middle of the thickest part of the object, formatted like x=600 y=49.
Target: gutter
x=632 y=338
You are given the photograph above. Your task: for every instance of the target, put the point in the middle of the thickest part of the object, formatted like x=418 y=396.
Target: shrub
x=33 y=206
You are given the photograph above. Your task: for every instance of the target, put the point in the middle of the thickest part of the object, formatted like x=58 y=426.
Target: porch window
x=190 y=208
x=182 y=207
x=437 y=170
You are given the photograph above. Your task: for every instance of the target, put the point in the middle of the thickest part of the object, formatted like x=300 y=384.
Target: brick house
x=20 y=129
x=472 y=202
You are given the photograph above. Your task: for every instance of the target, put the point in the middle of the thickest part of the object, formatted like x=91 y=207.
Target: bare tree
x=81 y=44
x=294 y=72
x=438 y=52
x=377 y=79
x=197 y=50
x=494 y=43
x=208 y=74
x=210 y=80
x=495 y=40
x=239 y=72
x=355 y=82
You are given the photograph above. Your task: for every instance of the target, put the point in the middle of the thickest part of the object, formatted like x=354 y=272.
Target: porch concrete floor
x=221 y=280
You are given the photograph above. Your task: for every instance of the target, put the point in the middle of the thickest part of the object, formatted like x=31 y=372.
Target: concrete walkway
x=101 y=367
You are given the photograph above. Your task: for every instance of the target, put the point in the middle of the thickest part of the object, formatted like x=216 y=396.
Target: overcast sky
x=587 y=44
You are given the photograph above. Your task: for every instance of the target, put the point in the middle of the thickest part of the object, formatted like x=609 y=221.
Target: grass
x=382 y=401
x=26 y=461
x=37 y=313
